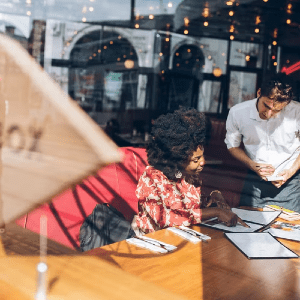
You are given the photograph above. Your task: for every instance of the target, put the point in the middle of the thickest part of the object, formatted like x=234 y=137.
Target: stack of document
x=258 y=240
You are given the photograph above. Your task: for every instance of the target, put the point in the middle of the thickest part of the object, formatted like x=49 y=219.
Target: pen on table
x=244 y=224
x=154 y=243
x=193 y=233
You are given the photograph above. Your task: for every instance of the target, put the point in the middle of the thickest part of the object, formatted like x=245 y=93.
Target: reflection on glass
x=246 y=54
x=209 y=97
x=242 y=87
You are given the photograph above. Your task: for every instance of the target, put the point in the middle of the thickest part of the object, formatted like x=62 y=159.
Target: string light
x=231 y=29
x=275 y=63
x=257 y=20
x=288 y=21
x=137 y=26
x=256 y=30
x=186 y=31
x=91 y=8
x=205 y=12
x=151 y=17
x=274 y=43
x=232 y=37
x=28 y=13
x=205 y=23
x=231 y=13
x=186 y=21
x=170 y=4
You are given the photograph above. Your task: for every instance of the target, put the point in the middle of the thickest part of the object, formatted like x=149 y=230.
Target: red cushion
x=114 y=184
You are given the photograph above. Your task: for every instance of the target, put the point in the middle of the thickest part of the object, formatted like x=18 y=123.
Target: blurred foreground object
x=47 y=142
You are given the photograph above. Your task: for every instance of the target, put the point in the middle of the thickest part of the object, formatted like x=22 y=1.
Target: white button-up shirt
x=270 y=141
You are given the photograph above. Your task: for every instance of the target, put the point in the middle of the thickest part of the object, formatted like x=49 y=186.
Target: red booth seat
x=114 y=184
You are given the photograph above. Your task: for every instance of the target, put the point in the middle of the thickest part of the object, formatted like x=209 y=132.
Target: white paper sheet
x=260 y=245
x=254 y=216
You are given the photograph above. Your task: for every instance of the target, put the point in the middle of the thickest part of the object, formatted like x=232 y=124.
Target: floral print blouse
x=164 y=203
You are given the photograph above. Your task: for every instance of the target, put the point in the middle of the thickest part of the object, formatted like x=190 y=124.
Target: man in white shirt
x=269 y=127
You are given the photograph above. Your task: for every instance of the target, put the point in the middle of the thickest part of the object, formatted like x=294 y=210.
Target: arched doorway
x=103 y=72
x=185 y=77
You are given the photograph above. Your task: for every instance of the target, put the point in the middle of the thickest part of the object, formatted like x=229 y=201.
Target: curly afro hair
x=175 y=137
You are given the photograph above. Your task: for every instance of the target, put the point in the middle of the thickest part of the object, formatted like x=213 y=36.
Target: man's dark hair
x=174 y=138
x=278 y=87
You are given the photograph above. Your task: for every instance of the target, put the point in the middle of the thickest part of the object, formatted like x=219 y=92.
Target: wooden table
x=75 y=277
x=213 y=270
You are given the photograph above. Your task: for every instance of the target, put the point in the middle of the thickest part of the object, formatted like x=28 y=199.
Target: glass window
x=242 y=87
x=209 y=97
x=246 y=54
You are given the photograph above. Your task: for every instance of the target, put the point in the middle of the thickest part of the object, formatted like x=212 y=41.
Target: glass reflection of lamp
x=129 y=63
x=217 y=72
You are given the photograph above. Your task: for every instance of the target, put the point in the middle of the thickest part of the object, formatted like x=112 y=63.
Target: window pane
x=246 y=54
x=242 y=87
x=209 y=97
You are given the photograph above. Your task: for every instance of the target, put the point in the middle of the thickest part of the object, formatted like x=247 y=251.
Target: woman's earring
x=178 y=174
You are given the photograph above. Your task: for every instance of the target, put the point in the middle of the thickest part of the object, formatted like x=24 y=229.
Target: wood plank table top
x=74 y=277
x=213 y=270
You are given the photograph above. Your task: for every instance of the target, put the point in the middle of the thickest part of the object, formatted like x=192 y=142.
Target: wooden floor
x=19 y=241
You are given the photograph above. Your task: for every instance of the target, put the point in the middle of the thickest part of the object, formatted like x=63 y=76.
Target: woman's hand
x=229 y=218
x=216 y=199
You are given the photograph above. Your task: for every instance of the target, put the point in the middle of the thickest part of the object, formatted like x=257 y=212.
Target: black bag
x=104 y=226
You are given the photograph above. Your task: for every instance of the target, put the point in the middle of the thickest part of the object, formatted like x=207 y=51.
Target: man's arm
x=263 y=170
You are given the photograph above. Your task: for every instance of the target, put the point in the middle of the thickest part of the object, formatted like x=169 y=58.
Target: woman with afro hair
x=169 y=190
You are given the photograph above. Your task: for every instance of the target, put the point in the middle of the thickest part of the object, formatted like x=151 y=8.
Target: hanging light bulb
x=232 y=37
x=186 y=21
x=186 y=31
x=206 y=12
x=288 y=21
x=205 y=23
x=274 y=43
x=231 y=13
x=256 y=30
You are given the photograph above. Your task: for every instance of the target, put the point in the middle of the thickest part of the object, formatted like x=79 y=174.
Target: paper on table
x=260 y=245
x=148 y=245
x=184 y=235
x=238 y=228
x=254 y=216
x=285 y=231
x=286 y=164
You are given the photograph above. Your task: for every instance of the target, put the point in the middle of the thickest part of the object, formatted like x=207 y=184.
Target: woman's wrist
x=215 y=191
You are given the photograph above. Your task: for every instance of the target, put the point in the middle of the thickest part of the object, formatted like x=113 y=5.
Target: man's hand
x=286 y=174
x=263 y=170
